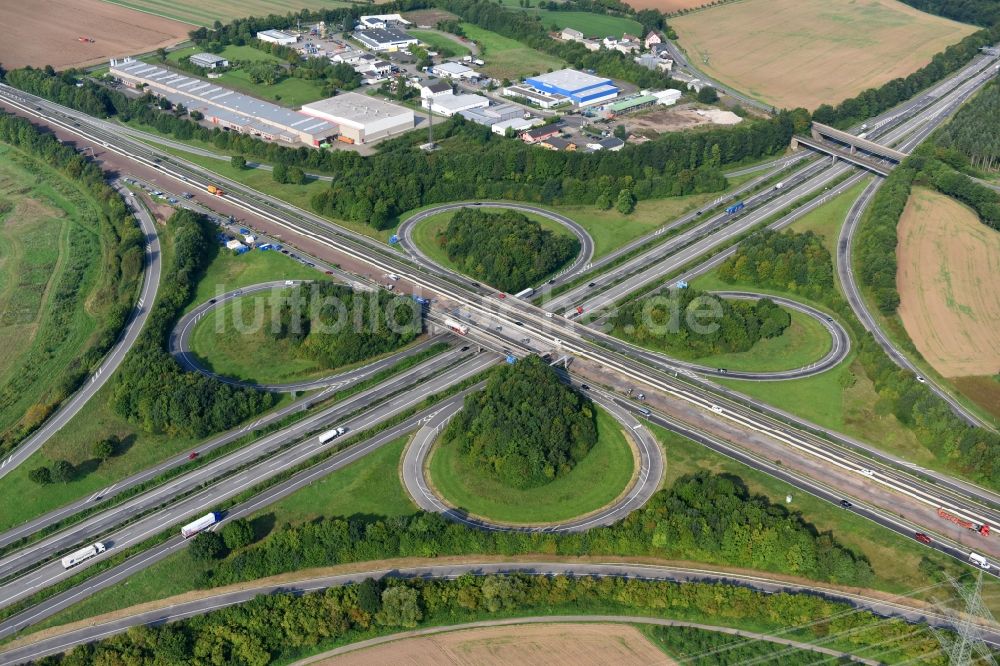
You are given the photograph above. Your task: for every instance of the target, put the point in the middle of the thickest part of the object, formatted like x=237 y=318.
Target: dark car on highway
x=845 y=504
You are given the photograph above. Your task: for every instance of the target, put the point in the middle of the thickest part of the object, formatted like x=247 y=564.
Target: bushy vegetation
x=793 y=262
x=334 y=325
x=709 y=648
x=505 y=249
x=280 y=627
x=120 y=271
x=704 y=518
x=694 y=323
x=150 y=389
x=526 y=427
x=974 y=131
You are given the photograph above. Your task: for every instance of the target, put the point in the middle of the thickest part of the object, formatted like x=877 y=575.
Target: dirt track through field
x=820 y=51
x=48 y=32
x=548 y=645
x=947 y=279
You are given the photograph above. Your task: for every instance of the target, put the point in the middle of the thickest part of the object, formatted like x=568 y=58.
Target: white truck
x=455 y=326
x=199 y=525
x=979 y=561
x=90 y=551
x=331 y=434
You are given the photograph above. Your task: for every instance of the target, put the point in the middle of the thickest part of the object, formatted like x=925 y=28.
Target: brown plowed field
x=948 y=267
x=792 y=53
x=544 y=645
x=47 y=32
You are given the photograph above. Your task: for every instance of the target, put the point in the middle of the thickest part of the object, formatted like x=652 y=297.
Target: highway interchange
x=480 y=309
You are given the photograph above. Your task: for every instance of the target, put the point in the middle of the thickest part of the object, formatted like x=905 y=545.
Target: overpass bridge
x=855 y=143
x=880 y=167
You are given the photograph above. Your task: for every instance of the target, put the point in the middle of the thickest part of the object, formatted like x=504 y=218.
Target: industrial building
x=277 y=37
x=449 y=105
x=208 y=60
x=360 y=118
x=541 y=133
x=581 y=88
x=491 y=115
x=516 y=125
x=540 y=99
x=454 y=70
x=629 y=105
x=224 y=107
x=385 y=39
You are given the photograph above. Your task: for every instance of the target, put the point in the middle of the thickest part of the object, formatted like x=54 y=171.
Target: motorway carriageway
x=570 y=338
x=245 y=467
x=246 y=508
x=895 y=607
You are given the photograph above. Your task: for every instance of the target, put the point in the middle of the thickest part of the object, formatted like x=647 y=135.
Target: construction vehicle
x=212 y=189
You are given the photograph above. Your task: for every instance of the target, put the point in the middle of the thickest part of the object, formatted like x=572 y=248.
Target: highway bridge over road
x=857 y=150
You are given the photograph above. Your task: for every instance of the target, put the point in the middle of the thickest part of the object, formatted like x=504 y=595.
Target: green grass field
x=290 y=91
x=594 y=483
x=425 y=234
x=803 y=342
x=509 y=59
x=590 y=24
x=369 y=486
x=50 y=255
x=826 y=220
x=445 y=47
x=206 y=12
x=96 y=421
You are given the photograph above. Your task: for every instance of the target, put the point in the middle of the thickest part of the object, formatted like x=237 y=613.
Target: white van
x=979 y=561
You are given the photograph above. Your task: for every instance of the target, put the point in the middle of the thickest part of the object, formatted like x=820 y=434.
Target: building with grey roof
x=277 y=37
x=224 y=107
x=361 y=118
x=208 y=60
x=385 y=39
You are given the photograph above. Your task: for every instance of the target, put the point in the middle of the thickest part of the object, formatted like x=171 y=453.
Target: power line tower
x=967 y=647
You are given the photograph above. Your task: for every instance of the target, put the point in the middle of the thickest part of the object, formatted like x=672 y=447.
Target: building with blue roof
x=581 y=88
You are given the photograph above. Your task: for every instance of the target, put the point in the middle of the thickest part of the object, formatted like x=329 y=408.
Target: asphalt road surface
x=180 y=346
x=647 y=482
x=582 y=260
x=69 y=409
x=900 y=608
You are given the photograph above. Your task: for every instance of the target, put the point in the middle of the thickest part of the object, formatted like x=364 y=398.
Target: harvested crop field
x=820 y=51
x=667 y=6
x=206 y=12
x=48 y=32
x=949 y=304
x=549 y=644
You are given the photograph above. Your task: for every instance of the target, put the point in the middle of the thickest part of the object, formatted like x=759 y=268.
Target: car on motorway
x=519 y=323
x=922 y=538
x=724 y=371
x=592 y=284
x=921 y=379
x=585 y=387
x=192 y=455
x=845 y=504
x=211 y=300
x=465 y=348
x=328 y=272
x=501 y=295
x=868 y=472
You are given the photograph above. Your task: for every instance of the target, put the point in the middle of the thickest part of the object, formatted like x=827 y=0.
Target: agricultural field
x=668 y=6
x=509 y=59
x=50 y=254
x=555 y=644
x=207 y=12
x=821 y=51
x=49 y=32
x=589 y=23
x=446 y=46
x=948 y=265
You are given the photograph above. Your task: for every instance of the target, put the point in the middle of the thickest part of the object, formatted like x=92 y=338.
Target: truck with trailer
x=461 y=329
x=983 y=529
x=199 y=525
x=212 y=189
x=524 y=293
x=735 y=208
x=979 y=561
x=331 y=434
x=90 y=551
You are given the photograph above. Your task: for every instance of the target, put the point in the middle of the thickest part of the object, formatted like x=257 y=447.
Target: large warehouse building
x=360 y=118
x=582 y=88
x=224 y=107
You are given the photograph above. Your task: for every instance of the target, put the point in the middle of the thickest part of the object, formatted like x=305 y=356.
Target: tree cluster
x=700 y=647
x=977 y=12
x=150 y=389
x=120 y=270
x=685 y=325
x=793 y=262
x=974 y=131
x=283 y=627
x=526 y=427
x=335 y=325
x=505 y=249
x=704 y=518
